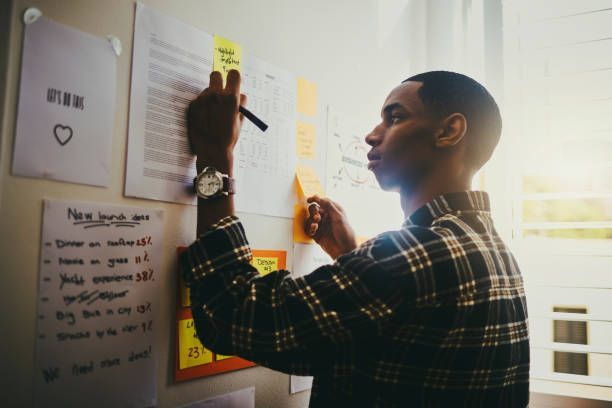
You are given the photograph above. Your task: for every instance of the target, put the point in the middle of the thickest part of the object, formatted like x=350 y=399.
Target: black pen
x=254 y=119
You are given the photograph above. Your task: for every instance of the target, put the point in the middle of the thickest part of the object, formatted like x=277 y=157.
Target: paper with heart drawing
x=66 y=105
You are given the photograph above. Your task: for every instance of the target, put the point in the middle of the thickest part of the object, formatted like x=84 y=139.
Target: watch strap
x=229 y=184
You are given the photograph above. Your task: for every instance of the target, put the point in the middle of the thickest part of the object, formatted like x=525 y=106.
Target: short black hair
x=446 y=92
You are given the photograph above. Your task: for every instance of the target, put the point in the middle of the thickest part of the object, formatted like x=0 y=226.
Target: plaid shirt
x=433 y=314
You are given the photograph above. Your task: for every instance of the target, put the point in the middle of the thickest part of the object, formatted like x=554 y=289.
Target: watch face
x=209 y=184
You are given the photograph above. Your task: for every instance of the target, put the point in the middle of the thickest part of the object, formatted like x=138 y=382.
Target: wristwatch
x=211 y=184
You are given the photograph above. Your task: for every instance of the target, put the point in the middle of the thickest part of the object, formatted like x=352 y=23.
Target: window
x=558 y=158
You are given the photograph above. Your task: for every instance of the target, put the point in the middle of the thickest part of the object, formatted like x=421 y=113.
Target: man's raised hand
x=328 y=226
x=213 y=119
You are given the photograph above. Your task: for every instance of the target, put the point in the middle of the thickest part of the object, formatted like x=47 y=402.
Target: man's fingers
x=232 y=84
x=312 y=229
x=243 y=102
x=325 y=204
x=313 y=208
x=216 y=81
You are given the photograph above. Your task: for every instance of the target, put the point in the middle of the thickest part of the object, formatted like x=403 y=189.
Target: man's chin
x=385 y=183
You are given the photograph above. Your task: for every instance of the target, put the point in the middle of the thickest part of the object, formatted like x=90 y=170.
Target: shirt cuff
x=224 y=244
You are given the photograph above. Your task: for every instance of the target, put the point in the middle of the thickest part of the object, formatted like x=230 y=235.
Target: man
x=432 y=314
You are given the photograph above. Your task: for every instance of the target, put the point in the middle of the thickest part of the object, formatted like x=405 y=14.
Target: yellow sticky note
x=265 y=264
x=191 y=351
x=308 y=181
x=306 y=97
x=306 y=140
x=220 y=357
x=227 y=55
x=299 y=217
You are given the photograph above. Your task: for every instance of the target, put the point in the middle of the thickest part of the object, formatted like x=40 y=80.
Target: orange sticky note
x=306 y=97
x=191 y=351
x=226 y=56
x=299 y=216
x=306 y=140
x=308 y=181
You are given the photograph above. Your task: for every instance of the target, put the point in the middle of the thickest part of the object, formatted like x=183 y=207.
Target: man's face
x=403 y=143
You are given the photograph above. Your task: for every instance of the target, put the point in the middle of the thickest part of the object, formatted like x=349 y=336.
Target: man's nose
x=374 y=138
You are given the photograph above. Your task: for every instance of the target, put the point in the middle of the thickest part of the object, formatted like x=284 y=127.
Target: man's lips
x=372 y=164
x=374 y=160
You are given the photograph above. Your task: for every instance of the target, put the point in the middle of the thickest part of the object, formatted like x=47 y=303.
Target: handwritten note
x=306 y=97
x=308 y=181
x=349 y=181
x=66 y=105
x=306 y=141
x=191 y=351
x=265 y=264
x=98 y=291
x=227 y=55
x=266 y=261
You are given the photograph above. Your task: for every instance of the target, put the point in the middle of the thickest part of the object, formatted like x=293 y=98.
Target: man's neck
x=413 y=199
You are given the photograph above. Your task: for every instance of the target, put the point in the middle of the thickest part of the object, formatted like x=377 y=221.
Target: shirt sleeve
x=274 y=318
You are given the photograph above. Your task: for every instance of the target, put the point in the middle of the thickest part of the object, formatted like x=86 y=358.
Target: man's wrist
x=223 y=162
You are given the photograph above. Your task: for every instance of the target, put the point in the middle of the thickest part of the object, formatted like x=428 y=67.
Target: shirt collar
x=449 y=203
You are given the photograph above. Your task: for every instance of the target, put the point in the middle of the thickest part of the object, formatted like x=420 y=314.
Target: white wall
x=342 y=45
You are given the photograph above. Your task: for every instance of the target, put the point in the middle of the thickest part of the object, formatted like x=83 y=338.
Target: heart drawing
x=62 y=134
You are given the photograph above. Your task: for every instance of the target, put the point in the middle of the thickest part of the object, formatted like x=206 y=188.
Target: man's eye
x=395 y=119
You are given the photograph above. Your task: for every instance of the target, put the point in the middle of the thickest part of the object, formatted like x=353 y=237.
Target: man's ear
x=452 y=130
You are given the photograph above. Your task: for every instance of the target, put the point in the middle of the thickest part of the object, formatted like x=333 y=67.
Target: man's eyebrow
x=389 y=108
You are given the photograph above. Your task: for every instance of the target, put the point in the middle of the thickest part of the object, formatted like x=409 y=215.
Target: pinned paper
x=227 y=55
x=306 y=141
x=299 y=217
x=307 y=97
x=307 y=258
x=191 y=351
x=308 y=181
x=66 y=104
x=98 y=305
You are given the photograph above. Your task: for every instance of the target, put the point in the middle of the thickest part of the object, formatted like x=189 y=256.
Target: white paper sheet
x=97 y=305
x=66 y=105
x=299 y=384
x=244 y=398
x=369 y=209
x=264 y=162
x=307 y=258
x=171 y=64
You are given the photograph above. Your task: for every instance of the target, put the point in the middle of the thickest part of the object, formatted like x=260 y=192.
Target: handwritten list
x=98 y=291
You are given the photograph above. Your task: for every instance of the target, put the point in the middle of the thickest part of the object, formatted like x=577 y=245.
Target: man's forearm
x=211 y=211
